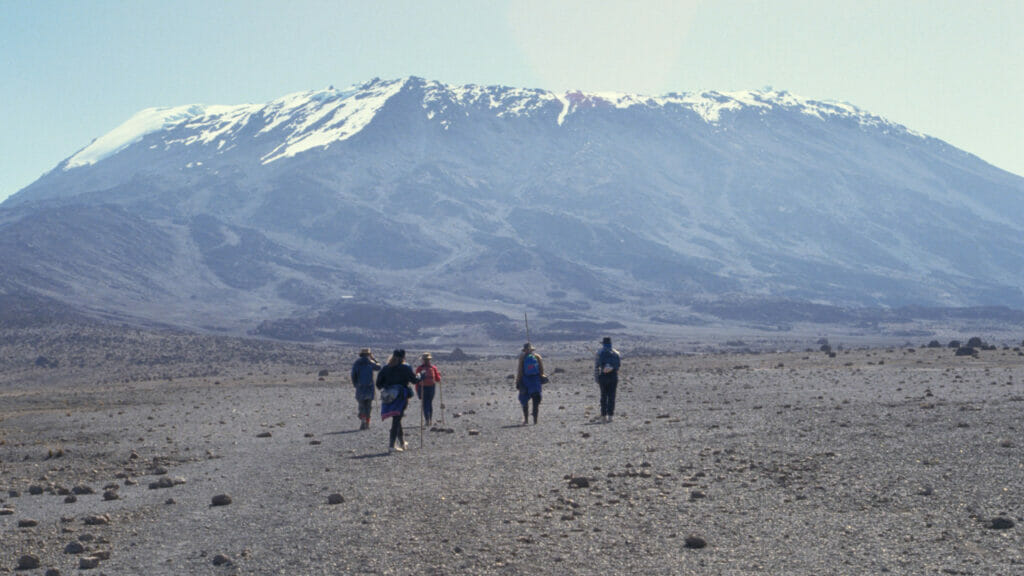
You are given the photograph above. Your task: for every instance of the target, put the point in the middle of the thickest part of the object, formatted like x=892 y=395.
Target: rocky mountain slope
x=594 y=208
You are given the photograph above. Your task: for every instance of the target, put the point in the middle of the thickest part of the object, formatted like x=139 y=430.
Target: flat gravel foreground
x=874 y=461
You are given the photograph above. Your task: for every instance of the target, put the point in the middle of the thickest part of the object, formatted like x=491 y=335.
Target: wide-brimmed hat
x=365 y=352
x=528 y=347
x=426 y=356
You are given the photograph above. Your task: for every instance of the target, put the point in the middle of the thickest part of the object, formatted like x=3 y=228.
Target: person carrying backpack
x=393 y=381
x=606 y=374
x=362 y=380
x=529 y=380
x=429 y=376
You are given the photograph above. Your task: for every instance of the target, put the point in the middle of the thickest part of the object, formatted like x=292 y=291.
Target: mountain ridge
x=607 y=206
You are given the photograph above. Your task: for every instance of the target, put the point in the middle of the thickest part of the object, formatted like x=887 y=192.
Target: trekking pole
x=527 y=319
x=440 y=398
x=421 y=421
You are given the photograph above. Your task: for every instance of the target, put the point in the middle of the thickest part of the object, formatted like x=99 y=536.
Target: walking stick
x=440 y=398
x=421 y=422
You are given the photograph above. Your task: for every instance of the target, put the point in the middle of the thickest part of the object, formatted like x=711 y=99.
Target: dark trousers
x=396 y=431
x=608 y=384
x=524 y=399
x=427 y=395
x=365 y=407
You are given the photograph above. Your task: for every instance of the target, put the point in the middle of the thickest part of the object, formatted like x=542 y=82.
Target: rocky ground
x=140 y=453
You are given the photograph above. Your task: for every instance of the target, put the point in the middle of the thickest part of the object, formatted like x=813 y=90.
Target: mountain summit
x=470 y=200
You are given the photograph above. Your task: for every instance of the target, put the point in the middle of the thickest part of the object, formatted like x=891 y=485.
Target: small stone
x=221 y=560
x=335 y=499
x=221 y=500
x=169 y=501
x=264 y=435
x=35 y=490
x=70 y=499
x=74 y=548
x=163 y=482
x=110 y=495
x=88 y=563
x=695 y=542
x=52 y=572
x=6 y=512
x=28 y=562
x=473 y=432
x=1001 y=523
x=82 y=490
x=579 y=482
x=97 y=520
x=27 y=523
x=697 y=495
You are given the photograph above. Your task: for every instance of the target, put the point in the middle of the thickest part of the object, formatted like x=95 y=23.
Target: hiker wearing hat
x=529 y=379
x=393 y=382
x=362 y=380
x=429 y=376
x=606 y=373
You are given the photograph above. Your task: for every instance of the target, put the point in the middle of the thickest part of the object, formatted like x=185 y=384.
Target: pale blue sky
x=71 y=71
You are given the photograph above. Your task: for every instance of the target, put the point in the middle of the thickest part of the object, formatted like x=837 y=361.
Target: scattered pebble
x=695 y=542
x=88 y=563
x=74 y=547
x=96 y=520
x=1001 y=523
x=221 y=560
x=27 y=523
x=579 y=482
x=28 y=562
x=221 y=500
x=335 y=499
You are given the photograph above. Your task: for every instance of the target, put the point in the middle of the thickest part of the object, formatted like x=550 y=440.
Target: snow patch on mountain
x=135 y=129
x=319 y=119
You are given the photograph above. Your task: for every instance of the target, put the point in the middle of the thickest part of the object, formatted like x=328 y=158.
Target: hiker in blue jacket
x=362 y=381
x=606 y=374
x=529 y=379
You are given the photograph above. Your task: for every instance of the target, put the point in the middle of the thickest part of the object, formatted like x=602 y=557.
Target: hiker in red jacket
x=429 y=376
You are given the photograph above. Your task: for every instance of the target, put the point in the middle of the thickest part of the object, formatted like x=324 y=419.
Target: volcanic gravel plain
x=133 y=452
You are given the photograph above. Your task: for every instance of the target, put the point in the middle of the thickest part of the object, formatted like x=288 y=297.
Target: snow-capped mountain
x=600 y=207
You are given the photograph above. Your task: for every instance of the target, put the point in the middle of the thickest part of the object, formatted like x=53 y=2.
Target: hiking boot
x=399 y=448
x=609 y=419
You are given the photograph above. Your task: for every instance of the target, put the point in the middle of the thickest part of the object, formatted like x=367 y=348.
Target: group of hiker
x=396 y=381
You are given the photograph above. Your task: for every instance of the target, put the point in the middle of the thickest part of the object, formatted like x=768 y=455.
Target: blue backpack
x=531 y=366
